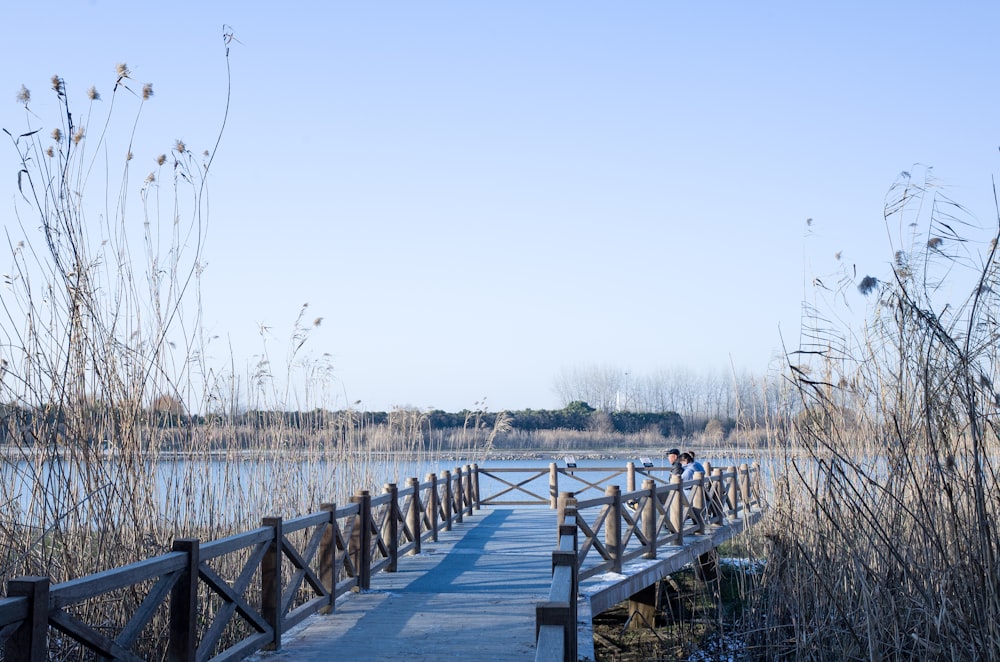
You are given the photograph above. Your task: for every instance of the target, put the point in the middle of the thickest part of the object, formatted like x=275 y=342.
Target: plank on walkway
x=469 y=596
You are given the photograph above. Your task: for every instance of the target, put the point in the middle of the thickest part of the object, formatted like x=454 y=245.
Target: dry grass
x=882 y=529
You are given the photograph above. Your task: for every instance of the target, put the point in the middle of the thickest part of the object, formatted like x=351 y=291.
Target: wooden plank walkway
x=469 y=596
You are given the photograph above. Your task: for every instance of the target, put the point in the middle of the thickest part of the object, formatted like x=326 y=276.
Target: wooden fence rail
x=259 y=583
x=539 y=486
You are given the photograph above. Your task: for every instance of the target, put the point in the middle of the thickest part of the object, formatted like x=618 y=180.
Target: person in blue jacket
x=689 y=466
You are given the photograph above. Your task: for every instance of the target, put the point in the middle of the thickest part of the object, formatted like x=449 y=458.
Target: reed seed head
x=58 y=85
x=147 y=91
x=78 y=136
x=50 y=152
x=180 y=147
x=93 y=94
x=934 y=242
x=57 y=135
x=122 y=70
x=161 y=159
x=24 y=96
x=868 y=283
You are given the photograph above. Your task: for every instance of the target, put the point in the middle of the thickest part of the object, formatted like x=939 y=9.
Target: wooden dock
x=469 y=596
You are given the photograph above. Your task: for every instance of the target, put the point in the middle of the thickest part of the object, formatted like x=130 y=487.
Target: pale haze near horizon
x=477 y=197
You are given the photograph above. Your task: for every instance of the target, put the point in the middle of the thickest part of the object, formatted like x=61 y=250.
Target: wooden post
x=434 y=506
x=270 y=581
x=677 y=509
x=458 y=493
x=568 y=559
x=29 y=641
x=391 y=527
x=446 y=477
x=413 y=516
x=361 y=540
x=567 y=507
x=328 y=555
x=553 y=485
x=744 y=485
x=612 y=528
x=182 y=644
x=755 y=484
x=642 y=608
x=475 y=486
x=698 y=501
x=559 y=614
x=649 y=519
x=734 y=495
x=630 y=477
x=717 y=505
x=468 y=490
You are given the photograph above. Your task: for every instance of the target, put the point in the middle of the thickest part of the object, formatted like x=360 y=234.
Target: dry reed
x=882 y=529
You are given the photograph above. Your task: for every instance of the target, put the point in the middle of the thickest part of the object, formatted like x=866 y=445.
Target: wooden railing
x=637 y=522
x=262 y=582
x=259 y=583
x=633 y=523
x=542 y=486
x=555 y=619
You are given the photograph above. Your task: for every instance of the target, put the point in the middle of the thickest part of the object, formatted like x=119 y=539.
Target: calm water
x=188 y=483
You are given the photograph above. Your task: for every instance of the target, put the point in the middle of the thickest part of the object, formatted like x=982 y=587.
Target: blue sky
x=476 y=196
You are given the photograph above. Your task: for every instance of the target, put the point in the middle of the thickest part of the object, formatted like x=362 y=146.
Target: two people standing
x=683 y=464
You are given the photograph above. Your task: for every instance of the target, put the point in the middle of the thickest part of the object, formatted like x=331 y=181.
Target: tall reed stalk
x=883 y=534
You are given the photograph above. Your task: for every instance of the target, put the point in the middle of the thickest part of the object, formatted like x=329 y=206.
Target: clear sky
x=475 y=196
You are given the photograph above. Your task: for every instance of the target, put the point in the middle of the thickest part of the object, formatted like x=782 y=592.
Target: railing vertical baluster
x=446 y=476
x=717 y=504
x=270 y=581
x=698 y=501
x=390 y=529
x=677 y=509
x=553 y=485
x=434 y=506
x=475 y=486
x=755 y=485
x=361 y=540
x=734 y=495
x=458 y=494
x=565 y=501
x=328 y=555
x=468 y=490
x=745 y=485
x=29 y=641
x=182 y=641
x=649 y=519
x=612 y=528
x=413 y=515
x=630 y=477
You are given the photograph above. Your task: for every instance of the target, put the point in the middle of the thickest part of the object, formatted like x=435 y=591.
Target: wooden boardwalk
x=469 y=596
